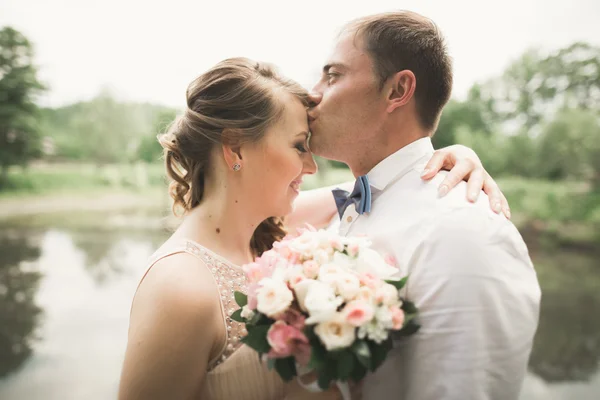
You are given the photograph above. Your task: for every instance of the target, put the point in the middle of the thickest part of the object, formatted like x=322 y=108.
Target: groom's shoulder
x=422 y=195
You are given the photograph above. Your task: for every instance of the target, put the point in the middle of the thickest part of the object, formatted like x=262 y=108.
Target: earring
x=237 y=167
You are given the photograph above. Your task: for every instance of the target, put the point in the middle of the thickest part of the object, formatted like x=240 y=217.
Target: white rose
x=336 y=333
x=344 y=261
x=384 y=317
x=273 y=297
x=365 y=294
x=346 y=285
x=321 y=256
x=306 y=244
x=328 y=270
x=370 y=261
x=386 y=294
x=247 y=312
x=318 y=299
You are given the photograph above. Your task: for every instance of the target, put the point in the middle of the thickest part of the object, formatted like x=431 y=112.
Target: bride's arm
x=172 y=332
x=317 y=207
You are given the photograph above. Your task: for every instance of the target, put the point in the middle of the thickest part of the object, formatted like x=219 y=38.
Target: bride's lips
x=295 y=185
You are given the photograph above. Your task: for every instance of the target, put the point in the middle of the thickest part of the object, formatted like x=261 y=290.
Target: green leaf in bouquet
x=379 y=352
x=362 y=352
x=409 y=307
x=257 y=338
x=399 y=284
x=240 y=298
x=271 y=363
x=358 y=372
x=237 y=316
x=345 y=364
x=286 y=368
x=410 y=328
x=326 y=375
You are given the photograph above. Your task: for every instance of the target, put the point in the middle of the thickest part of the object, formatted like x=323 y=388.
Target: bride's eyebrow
x=303 y=133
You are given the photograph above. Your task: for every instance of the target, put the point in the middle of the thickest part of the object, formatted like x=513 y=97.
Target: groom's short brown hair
x=405 y=40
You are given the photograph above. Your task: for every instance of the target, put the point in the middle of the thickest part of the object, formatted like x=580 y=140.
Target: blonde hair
x=233 y=103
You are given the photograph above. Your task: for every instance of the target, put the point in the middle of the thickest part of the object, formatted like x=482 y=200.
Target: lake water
x=66 y=288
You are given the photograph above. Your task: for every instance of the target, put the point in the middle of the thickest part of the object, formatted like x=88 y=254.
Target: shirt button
x=349 y=219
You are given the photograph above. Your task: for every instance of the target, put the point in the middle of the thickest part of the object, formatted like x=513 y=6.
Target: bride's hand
x=464 y=164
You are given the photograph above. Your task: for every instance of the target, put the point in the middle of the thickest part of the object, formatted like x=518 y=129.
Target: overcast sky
x=150 y=52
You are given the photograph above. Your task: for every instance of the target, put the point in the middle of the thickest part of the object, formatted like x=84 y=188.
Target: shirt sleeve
x=478 y=295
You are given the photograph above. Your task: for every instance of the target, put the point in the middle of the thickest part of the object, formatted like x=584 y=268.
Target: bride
x=236 y=158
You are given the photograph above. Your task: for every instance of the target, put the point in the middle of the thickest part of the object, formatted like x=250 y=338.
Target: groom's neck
x=392 y=137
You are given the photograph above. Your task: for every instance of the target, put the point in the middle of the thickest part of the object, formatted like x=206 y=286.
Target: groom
x=375 y=108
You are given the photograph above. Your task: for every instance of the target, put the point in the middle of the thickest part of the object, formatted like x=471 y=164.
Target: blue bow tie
x=360 y=197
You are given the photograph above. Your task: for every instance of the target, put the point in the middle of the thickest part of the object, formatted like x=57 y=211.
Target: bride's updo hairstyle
x=233 y=103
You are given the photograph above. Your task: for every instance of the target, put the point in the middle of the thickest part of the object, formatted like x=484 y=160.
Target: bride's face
x=275 y=166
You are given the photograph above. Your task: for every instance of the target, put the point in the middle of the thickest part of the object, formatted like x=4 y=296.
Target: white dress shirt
x=470 y=276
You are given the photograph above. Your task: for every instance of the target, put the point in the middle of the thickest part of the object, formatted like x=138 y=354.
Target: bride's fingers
x=435 y=164
x=475 y=184
x=491 y=188
x=497 y=200
x=461 y=170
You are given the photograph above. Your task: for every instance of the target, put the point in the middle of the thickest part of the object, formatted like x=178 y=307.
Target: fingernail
x=473 y=196
x=497 y=207
x=425 y=172
x=508 y=213
x=443 y=190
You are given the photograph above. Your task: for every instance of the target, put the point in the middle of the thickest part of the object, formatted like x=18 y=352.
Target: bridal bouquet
x=324 y=303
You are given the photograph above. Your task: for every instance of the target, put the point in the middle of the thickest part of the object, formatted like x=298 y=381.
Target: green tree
x=20 y=139
x=569 y=146
x=536 y=86
x=149 y=150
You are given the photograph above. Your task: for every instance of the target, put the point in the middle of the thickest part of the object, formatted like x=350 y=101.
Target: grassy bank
x=567 y=212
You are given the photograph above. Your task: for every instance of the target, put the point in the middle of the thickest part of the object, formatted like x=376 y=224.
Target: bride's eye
x=301 y=147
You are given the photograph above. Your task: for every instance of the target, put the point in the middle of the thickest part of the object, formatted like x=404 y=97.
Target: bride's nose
x=310 y=166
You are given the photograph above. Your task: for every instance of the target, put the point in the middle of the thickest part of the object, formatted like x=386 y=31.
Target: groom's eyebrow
x=327 y=67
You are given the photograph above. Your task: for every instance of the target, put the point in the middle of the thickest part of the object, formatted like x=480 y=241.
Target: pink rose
x=358 y=312
x=294 y=318
x=311 y=269
x=353 y=249
x=285 y=340
x=369 y=280
x=391 y=260
x=254 y=271
x=302 y=353
x=397 y=317
x=252 y=300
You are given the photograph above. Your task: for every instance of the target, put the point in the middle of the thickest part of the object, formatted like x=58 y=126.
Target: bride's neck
x=223 y=223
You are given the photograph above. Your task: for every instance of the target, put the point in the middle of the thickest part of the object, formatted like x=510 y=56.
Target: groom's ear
x=400 y=89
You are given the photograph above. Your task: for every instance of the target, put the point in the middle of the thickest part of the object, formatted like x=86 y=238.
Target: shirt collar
x=399 y=163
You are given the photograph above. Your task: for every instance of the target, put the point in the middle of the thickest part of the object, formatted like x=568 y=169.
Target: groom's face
x=348 y=103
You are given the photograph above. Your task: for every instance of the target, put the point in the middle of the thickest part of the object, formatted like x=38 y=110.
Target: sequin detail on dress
x=229 y=279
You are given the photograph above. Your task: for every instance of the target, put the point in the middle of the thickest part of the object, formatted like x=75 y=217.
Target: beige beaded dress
x=236 y=372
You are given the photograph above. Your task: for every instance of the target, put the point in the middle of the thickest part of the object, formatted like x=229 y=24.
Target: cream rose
x=386 y=294
x=273 y=297
x=370 y=261
x=318 y=299
x=336 y=333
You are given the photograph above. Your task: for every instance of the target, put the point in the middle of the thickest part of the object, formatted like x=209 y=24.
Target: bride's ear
x=233 y=156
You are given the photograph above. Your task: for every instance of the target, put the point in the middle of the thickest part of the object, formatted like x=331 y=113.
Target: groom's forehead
x=347 y=51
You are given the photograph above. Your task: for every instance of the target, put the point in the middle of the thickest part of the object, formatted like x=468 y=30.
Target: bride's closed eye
x=301 y=147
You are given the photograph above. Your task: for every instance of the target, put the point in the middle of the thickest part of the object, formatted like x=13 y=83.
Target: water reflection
x=19 y=315
x=84 y=280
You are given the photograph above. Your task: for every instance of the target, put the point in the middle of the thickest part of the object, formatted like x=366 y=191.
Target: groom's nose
x=314 y=99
